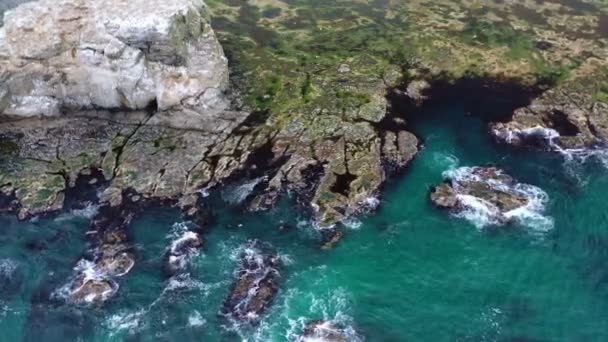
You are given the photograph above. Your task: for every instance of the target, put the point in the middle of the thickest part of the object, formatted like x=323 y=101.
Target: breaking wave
x=482 y=213
x=85 y=272
x=184 y=246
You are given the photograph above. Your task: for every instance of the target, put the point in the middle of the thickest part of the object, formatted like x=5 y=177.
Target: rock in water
x=184 y=247
x=69 y=55
x=488 y=196
x=110 y=257
x=256 y=284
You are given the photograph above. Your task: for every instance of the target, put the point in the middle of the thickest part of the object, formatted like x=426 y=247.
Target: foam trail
x=87 y=212
x=236 y=194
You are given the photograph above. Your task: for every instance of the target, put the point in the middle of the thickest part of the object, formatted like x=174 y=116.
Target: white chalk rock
x=61 y=56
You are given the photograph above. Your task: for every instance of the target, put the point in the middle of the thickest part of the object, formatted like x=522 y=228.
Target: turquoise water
x=407 y=273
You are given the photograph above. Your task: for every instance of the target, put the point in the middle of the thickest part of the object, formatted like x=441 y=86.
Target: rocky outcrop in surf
x=488 y=196
x=256 y=284
x=186 y=244
x=110 y=256
x=64 y=56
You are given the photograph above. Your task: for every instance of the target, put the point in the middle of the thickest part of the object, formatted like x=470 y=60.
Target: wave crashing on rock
x=256 y=284
x=185 y=245
x=486 y=196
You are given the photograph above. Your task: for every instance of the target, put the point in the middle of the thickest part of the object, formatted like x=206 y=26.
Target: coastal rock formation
x=133 y=90
x=571 y=117
x=57 y=57
x=110 y=257
x=140 y=99
x=488 y=196
x=337 y=149
x=257 y=282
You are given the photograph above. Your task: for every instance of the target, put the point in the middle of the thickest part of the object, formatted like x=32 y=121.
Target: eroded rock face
x=336 y=151
x=42 y=159
x=257 y=282
x=59 y=56
x=570 y=117
x=488 y=196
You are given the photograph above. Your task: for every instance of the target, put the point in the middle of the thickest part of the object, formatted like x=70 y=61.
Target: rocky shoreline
x=332 y=165
x=136 y=114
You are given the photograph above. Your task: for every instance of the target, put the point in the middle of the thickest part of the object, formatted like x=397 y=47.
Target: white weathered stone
x=62 y=56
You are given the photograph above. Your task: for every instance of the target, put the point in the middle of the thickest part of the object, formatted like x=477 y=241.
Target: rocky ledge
x=568 y=118
x=140 y=96
x=488 y=196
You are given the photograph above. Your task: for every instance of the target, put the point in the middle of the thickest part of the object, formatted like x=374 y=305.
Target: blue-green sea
x=408 y=272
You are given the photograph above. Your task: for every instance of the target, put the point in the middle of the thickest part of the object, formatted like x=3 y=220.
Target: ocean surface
x=409 y=272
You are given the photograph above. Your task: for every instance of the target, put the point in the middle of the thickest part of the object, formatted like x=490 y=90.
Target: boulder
x=63 y=56
x=256 y=284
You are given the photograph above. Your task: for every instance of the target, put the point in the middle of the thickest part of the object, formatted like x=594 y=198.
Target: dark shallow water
x=409 y=272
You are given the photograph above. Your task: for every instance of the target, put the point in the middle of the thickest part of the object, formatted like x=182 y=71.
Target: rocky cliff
x=58 y=57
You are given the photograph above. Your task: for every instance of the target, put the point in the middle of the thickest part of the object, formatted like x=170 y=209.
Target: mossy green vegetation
x=286 y=56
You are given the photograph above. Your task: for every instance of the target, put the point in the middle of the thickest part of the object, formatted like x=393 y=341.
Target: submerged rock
x=488 y=196
x=327 y=331
x=58 y=56
x=257 y=282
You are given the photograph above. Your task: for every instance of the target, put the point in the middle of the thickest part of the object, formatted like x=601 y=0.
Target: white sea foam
x=195 y=319
x=371 y=203
x=331 y=309
x=445 y=160
x=478 y=211
x=179 y=255
x=531 y=215
x=352 y=223
x=125 y=321
x=87 y=212
x=85 y=271
x=8 y=267
x=572 y=156
x=483 y=213
x=236 y=194
x=514 y=136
